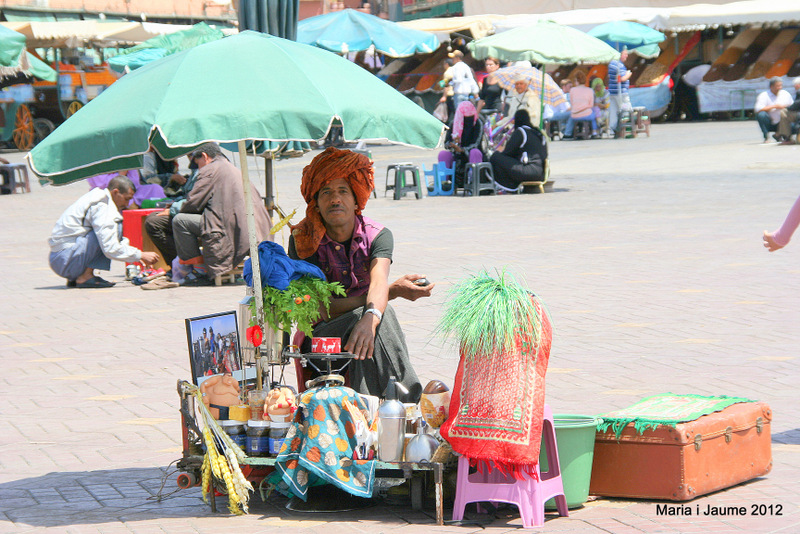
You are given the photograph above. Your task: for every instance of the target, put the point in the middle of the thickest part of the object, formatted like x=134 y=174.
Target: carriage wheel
x=24 y=133
x=73 y=108
x=43 y=128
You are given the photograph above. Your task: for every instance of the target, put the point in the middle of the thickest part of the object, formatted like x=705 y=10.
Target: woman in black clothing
x=491 y=92
x=523 y=158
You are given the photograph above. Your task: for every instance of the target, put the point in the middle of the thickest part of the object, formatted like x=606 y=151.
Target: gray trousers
x=785 y=126
x=618 y=104
x=72 y=262
x=390 y=357
x=186 y=229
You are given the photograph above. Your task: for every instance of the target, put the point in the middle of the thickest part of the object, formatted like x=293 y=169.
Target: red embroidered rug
x=498 y=402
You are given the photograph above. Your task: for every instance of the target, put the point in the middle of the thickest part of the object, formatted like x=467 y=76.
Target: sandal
x=95 y=282
x=159 y=283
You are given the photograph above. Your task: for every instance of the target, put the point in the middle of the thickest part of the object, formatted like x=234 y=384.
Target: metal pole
x=254 y=263
x=541 y=101
x=269 y=184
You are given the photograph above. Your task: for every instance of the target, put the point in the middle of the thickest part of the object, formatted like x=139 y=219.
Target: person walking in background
x=618 y=84
x=780 y=238
x=463 y=80
x=769 y=106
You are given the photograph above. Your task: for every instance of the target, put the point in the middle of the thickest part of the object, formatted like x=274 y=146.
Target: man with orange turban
x=357 y=252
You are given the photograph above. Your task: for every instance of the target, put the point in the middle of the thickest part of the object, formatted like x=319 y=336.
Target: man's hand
x=149 y=258
x=405 y=287
x=178 y=179
x=362 y=338
x=162 y=213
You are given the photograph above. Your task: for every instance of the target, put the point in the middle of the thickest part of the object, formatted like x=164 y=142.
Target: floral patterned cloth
x=320 y=443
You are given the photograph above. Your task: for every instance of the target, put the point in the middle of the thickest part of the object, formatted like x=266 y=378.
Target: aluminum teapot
x=422 y=446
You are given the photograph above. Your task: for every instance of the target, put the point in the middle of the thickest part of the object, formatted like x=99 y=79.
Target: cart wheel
x=186 y=480
x=23 y=134
x=73 y=108
x=43 y=128
x=417 y=486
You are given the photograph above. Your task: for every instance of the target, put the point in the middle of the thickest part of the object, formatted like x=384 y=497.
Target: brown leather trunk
x=716 y=451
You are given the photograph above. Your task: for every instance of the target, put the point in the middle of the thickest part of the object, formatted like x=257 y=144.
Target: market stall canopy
x=293 y=92
x=632 y=35
x=701 y=16
x=479 y=26
x=546 y=43
x=79 y=32
x=586 y=19
x=164 y=45
x=349 y=30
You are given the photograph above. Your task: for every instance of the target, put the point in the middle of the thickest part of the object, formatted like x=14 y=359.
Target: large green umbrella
x=544 y=42
x=249 y=86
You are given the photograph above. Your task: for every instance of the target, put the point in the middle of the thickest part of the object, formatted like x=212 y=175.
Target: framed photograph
x=214 y=346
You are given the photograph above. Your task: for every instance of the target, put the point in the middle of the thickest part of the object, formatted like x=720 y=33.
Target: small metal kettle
x=391 y=425
x=422 y=446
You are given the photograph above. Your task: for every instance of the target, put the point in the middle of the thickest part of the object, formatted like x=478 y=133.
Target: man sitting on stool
x=769 y=106
x=356 y=252
x=88 y=235
x=215 y=218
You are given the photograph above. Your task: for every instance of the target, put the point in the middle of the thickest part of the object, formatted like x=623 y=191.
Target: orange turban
x=331 y=164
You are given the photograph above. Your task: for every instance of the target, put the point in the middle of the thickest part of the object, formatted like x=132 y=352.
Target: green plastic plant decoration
x=299 y=305
x=483 y=314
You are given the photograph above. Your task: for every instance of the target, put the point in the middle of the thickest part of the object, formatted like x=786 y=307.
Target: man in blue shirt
x=618 y=76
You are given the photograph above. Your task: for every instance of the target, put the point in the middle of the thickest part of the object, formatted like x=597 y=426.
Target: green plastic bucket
x=575 y=437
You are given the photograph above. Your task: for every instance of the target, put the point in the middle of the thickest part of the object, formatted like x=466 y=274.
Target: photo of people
x=214 y=346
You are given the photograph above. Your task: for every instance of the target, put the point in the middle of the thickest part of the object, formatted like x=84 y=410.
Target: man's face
x=797 y=88
x=121 y=199
x=776 y=87
x=336 y=202
x=521 y=86
x=624 y=55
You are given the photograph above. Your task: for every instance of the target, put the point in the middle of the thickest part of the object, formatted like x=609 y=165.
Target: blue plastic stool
x=443 y=173
x=429 y=176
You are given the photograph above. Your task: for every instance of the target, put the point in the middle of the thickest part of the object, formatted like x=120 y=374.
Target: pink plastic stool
x=528 y=494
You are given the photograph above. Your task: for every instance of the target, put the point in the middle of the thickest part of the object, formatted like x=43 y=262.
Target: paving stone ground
x=647 y=252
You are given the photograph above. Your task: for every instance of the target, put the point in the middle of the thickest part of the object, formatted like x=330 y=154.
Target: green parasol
x=16 y=63
x=546 y=43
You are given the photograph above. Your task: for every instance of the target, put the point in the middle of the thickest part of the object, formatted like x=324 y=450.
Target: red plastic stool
x=527 y=494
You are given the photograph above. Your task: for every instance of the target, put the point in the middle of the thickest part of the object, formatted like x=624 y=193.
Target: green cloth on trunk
x=664 y=409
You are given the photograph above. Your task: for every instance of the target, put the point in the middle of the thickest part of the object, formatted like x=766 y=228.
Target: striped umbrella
x=553 y=94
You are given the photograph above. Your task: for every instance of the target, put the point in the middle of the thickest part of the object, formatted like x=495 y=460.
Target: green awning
x=15 y=15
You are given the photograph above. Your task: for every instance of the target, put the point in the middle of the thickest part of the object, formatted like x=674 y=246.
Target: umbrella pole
x=541 y=101
x=254 y=263
x=269 y=184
